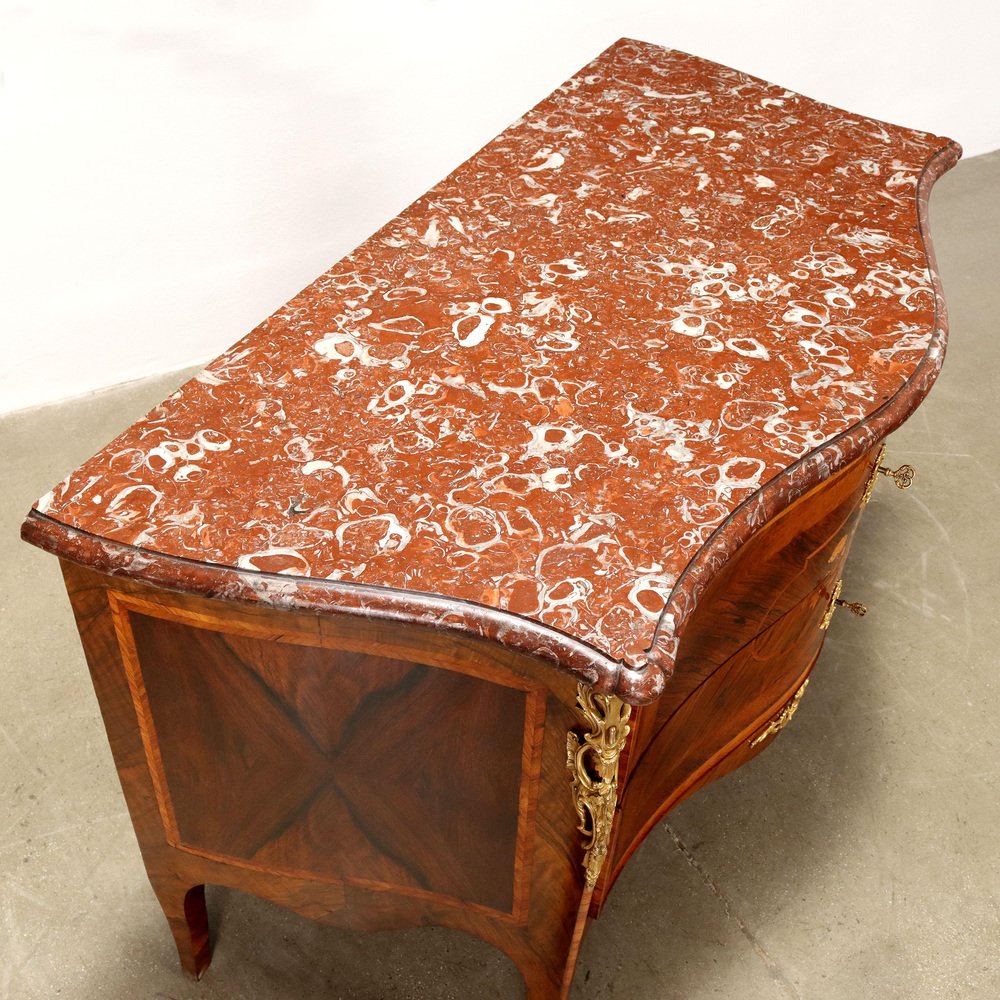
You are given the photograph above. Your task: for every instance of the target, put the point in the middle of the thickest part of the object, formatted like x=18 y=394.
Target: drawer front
x=714 y=730
x=748 y=745
x=786 y=561
x=746 y=655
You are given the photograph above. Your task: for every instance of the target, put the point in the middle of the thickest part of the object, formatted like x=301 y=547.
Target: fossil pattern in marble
x=547 y=384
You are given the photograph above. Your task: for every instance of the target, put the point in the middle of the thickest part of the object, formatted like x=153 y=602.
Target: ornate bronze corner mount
x=592 y=759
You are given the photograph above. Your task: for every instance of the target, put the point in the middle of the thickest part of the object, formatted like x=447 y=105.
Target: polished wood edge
x=531 y=782
x=121 y=604
x=810 y=470
x=297 y=636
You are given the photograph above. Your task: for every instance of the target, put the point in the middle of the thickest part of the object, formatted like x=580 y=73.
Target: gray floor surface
x=856 y=857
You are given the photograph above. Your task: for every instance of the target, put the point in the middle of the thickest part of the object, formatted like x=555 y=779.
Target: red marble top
x=668 y=289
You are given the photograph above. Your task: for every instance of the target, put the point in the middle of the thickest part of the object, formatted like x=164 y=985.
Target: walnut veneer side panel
x=295 y=759
x=368 y=777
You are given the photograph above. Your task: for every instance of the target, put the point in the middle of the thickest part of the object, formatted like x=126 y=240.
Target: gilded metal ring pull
x=783 y=717
x=902 y=477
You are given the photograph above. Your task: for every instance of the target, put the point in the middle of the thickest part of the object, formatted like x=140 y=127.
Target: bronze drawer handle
x=835 y=602
x=783 y=717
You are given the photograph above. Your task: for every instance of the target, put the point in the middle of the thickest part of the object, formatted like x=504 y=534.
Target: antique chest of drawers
x=427 y=600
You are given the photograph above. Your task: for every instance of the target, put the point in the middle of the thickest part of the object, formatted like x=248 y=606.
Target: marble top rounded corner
x=547 y=402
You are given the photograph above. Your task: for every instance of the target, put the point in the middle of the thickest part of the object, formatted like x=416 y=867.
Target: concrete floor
x=857 y=857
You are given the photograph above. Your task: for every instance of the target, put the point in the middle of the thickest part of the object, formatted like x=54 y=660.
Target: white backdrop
x=173 y=172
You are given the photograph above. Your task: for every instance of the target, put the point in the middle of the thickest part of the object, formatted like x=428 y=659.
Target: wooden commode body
x=425 y=602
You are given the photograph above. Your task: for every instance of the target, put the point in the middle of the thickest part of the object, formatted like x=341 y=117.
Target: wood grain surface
x=367 y=775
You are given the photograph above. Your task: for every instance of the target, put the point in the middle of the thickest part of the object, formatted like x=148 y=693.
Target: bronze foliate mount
x=592 y=759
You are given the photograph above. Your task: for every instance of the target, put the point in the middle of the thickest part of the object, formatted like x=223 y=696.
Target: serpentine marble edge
x=547 y=401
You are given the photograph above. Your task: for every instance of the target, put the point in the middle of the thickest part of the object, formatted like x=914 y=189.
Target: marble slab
x=549 y=399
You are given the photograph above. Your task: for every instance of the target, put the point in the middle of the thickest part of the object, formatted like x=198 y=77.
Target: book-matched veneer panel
x=367 y=774
x=339 y=764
